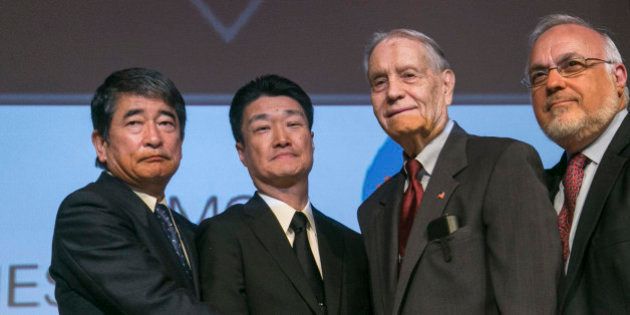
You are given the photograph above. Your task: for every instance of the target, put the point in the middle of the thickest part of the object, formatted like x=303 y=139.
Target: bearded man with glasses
x=579 y=94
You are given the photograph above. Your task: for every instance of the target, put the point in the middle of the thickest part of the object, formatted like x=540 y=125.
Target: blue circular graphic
x=387 y=162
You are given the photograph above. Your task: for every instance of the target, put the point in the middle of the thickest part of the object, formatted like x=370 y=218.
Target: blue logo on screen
x=386 y=163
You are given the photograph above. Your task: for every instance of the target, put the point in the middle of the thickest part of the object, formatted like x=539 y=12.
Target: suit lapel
x=167 y=255
x=125 y=198
x=451 y=161
x=188 y=238
x=127 y=201
x=603 y=182
x=331 y=252
x=384 y=230
x=553 y=177
x=265 y=226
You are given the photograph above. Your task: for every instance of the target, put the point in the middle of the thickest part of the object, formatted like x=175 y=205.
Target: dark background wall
x=63 y=49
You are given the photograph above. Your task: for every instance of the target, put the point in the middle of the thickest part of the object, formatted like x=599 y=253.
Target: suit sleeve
x=522 y=237
x=97 y=252
x=221 y=267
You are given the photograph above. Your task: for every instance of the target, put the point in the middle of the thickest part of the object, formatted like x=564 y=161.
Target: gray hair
x=549 y=21
x=435 y=54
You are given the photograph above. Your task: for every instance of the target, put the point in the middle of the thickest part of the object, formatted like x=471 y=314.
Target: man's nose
x=394 y=90
x=152 y=135
x=280 y=136
x=555 y=81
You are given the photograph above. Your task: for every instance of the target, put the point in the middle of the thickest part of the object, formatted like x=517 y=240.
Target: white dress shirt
x=284 y=214
x=429 y=155
x=594 y=152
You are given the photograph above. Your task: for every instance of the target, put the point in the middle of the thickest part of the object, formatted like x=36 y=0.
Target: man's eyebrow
x=133 y=112
x=564 y=57
x=375 y=74
x=568 y=56
x=257 y=117
x=167 y=113
x=292 y=112
x=286 y=113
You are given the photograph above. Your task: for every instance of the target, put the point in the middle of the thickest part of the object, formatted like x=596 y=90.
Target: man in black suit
x=117 y=247
x=254 y=258
x=466 y=227
x=579 y=93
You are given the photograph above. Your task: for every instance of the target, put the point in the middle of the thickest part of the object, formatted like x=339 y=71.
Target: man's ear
x=448 y=80
x=100 y=145
x=621 y=78
x=240 y=149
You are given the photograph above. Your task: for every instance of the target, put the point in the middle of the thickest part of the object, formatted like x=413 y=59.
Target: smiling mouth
x=395 y=112
x=556 y=103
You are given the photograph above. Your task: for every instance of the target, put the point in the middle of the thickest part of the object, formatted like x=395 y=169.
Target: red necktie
x=411 y=201
x=572 y=181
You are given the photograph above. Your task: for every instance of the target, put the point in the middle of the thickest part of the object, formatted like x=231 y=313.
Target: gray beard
x=583 y=127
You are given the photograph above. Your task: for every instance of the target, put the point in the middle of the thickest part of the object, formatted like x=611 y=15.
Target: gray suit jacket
x=506 y=253
x=598 y=275
x=248 y=266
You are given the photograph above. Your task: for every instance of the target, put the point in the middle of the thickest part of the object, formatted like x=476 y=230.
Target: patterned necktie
x=411 y=201
x=571 y=181
x=302 y=250
x=164 y=217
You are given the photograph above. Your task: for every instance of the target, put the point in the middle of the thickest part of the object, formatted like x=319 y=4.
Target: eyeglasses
x=566 y=68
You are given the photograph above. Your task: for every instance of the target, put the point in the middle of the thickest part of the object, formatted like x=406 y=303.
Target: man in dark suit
x=466 y=227
x=580 y=96
x=117 y=247
x=255 y=258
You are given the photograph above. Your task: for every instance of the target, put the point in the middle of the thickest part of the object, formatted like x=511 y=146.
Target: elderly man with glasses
x=580 y=98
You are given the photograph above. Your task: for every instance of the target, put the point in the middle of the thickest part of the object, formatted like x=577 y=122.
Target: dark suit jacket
x=506 y=253
x=111 y=257
x=598 y=275
x=248 y=266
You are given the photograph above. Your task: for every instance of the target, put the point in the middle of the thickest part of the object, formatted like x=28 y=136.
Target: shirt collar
x=284 y=213
x=429 y=155
x=595 y=151
x=149 y=200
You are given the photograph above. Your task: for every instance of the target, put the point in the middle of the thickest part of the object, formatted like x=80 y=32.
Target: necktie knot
x=162 y=212
x=576 y=166
x=299 y=222
x=412 y=167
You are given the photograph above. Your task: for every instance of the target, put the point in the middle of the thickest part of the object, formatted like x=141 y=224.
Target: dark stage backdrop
x=61 y=50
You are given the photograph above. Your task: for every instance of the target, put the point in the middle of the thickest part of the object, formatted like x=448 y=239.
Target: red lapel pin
x=441 y=195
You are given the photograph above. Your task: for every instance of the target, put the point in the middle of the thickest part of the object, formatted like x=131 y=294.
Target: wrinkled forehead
x=564 y=41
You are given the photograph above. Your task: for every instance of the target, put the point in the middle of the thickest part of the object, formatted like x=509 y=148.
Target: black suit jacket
x=505 y=254
x=110 y=256
x=248 y=266
x=598 y=276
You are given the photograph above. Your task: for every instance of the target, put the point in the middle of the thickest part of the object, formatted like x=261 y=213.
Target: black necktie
x=302 y=250
x=164 y=217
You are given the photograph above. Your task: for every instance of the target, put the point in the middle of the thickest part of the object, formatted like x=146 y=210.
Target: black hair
x=133 y=81
x=266 y=85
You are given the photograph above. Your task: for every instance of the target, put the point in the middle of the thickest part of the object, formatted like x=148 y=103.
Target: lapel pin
x=441 y=195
